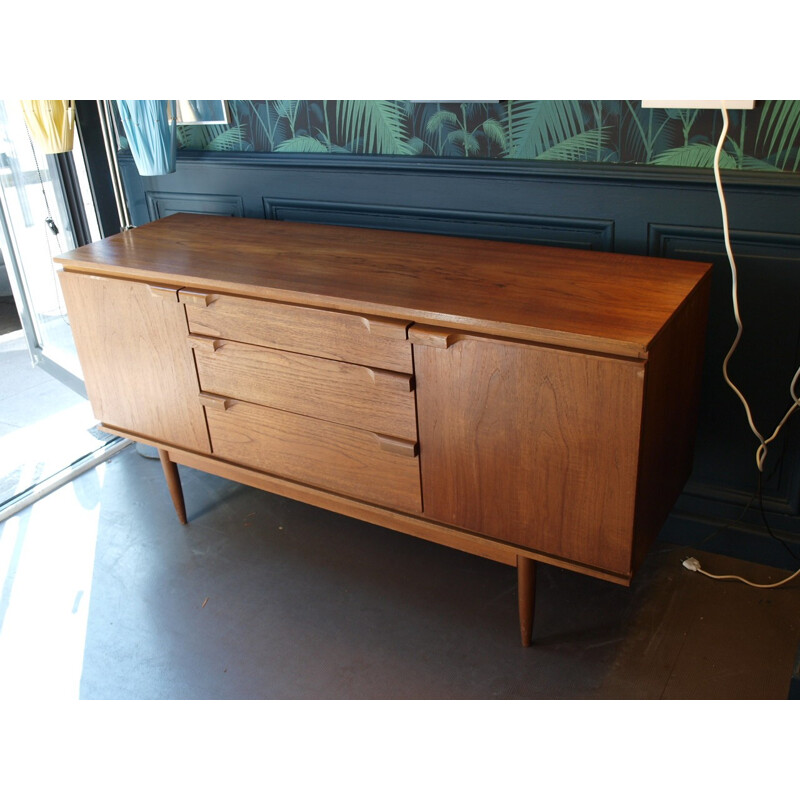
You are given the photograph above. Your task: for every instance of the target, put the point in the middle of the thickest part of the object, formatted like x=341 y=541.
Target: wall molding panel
x=554 y=231
x=162 y=204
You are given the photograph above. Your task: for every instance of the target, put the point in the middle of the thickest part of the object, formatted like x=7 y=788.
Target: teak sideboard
x=517 y=402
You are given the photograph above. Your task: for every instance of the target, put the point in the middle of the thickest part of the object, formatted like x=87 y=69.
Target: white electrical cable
x=761 y=452
x=693 y=565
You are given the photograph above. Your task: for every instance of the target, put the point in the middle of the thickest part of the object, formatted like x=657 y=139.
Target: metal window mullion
x=62 y=167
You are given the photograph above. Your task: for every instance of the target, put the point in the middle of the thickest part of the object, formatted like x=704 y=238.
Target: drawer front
x=353 y=395
x=313 y=331
x=335 y=457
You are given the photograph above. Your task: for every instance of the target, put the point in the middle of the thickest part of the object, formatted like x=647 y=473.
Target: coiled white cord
x=693 y=564
x=761 y=451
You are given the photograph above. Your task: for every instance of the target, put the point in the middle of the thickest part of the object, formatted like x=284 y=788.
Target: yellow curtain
x=51 y=123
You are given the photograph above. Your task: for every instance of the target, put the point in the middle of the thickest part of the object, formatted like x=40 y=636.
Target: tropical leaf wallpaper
x=589 y=131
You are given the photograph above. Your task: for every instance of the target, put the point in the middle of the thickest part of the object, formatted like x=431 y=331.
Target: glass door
x=45 y=210
x=48 y=433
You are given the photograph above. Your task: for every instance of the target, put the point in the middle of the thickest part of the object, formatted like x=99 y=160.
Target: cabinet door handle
x=206 y=343
x=216 y=401
x=164 y=292
x=200 y=299
x=399 y=447
x=433 y=337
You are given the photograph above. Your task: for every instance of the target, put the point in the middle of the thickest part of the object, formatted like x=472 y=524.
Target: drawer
x=338 y=458
x=318 y=332
x=354 y=395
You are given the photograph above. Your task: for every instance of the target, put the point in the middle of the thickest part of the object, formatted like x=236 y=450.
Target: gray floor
x=260 y=597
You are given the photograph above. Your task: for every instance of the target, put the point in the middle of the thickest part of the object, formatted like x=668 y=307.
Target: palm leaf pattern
x=301 y=144
x=581 y=147
x=781 y=119
x=465 y=140
x=537 y=125
x=495 y=133
x=616 y=131
x=441 y=118
x=374 y=126
x=699 y=154
x=211 y=137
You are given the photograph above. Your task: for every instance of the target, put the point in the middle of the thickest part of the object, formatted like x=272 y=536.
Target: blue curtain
x=152 y=134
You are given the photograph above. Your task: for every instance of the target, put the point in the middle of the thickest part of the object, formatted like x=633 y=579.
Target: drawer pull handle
x=216 y=401
x=164 y=292
x=200 y=299
x=399 y=447
x=386 y=328
x=206 y=343
x=399 y=380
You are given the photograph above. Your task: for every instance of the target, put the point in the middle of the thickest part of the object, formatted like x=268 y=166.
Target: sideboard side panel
x=669 y=425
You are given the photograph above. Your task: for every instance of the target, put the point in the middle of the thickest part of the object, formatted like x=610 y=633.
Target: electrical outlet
x=745 y=105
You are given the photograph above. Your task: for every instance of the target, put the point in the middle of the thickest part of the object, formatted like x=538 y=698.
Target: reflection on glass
x=202 y=112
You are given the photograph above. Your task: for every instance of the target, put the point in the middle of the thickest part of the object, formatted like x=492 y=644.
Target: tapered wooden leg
x=526 y=591
x=173 y=484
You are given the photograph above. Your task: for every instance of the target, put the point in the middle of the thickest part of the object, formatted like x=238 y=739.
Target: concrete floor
x=106 y=596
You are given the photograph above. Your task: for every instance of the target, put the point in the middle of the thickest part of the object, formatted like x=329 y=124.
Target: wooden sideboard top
x=602 y=302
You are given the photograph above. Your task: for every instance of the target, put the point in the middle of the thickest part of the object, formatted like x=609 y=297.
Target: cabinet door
x=137 y=363
x=530 y=445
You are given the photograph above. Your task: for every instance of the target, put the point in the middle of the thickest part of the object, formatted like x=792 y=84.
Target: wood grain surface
x=313 y=331
x=669 y=423
x=137 y=365
x=346 y=460
x=350 y=394
x=532 y=445
x=603 y=302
